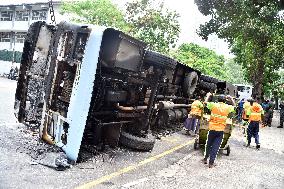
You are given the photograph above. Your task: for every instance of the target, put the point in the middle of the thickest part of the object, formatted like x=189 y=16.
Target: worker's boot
x=258 y=146
x=187 y=132
x=204 y=160
x=211 y=165
x=280 y=127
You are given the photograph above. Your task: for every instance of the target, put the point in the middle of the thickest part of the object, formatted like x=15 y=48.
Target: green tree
x=234 y=72
x=202 y=59
x=98 y=12
x=153 y=23
x=146 y=20
x=254 y=30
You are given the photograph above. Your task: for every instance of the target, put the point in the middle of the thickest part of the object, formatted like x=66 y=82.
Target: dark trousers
x=240 y=113
x=281 y=117
x=252 y=131
x=268 y=117
x=213 y=143
x=192 y=124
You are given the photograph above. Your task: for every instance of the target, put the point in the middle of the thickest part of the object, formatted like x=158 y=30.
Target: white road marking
x=136 y=182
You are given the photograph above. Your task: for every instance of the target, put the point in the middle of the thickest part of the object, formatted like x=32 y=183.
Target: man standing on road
x=217 y=124
x=255 y=116
x=265 y=107
x=269 y=115
x=240 y=109
x=193 y=121
x=281 y=114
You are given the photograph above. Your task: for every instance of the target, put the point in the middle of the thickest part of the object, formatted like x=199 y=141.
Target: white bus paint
x=81 y=93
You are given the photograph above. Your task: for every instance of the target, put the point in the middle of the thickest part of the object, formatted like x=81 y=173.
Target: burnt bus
x=96 y=85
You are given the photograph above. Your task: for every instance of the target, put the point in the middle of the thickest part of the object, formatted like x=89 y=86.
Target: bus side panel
x=81 y=95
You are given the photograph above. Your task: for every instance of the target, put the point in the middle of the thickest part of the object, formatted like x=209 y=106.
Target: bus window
x=241 y=88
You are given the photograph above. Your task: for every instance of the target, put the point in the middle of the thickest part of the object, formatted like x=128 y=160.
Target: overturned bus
x=89 y=84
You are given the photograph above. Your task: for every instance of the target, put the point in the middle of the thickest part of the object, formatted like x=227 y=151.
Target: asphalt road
x=172 y=164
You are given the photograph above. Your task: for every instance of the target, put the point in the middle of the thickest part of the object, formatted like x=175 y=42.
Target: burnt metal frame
x=153 y=82
x=26 y=62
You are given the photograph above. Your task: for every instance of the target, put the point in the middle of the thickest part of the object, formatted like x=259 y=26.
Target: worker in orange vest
x=193 y=121
x=217 y=124
x=255 y=113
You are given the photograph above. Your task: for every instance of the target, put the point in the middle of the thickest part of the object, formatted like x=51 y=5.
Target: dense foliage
x=202 y=59
x=154 y=24
x=235 y=72
x=255 y=31
x=147 y=20
x=98 y=12
x=209 y=63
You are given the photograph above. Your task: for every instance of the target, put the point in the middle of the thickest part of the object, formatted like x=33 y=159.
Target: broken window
x=39 y=15
x=20 y=37
x=65 y=45
x=80 y=46
x=6 y=15
x=22 y=16
x=5 y=37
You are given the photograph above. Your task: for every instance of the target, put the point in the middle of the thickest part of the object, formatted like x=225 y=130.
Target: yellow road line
x=105 y=178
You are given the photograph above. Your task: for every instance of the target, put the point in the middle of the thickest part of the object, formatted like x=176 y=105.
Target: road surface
x=172 y=164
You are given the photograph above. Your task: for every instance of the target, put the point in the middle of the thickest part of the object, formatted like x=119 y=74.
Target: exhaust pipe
x=130 y=108
x=163 y=105
x=43 y=134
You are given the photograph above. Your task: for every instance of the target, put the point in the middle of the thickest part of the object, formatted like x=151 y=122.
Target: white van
x=244 y=91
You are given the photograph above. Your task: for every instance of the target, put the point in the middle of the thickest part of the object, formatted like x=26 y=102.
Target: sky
x=190 y=19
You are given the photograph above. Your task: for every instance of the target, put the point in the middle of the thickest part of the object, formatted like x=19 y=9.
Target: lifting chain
x=51 y=11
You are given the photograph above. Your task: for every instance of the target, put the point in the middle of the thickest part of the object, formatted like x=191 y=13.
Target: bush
x=6 y=55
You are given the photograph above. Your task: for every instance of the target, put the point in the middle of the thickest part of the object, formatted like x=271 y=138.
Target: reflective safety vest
x=245 y=111
x=219 y=115
x=255 y=112
x=196 y=108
